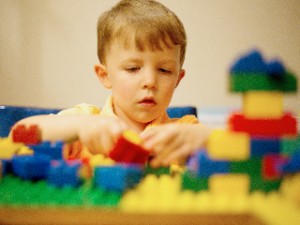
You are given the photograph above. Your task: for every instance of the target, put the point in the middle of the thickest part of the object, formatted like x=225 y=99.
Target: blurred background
x=48 y=49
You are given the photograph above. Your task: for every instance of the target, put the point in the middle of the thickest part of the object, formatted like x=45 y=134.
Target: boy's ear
x=102 y=75
x=181 y=75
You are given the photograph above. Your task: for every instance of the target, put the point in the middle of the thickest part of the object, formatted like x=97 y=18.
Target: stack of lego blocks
x=261 y=143
x=48 y=161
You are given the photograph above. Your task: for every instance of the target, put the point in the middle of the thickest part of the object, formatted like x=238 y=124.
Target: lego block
x=18 y=192
x=261 y=146
x=128 y=150
x=27 y=135
x=229 y=184
x=52 y=149
x=157 y=171
x=244 y=82
x=117 y=178
x=8 y=148
x=227 y=145
x=275 y=68
x=62 y=173
x=252 y=72
x=271 y=166
x=251 y=62
x=178 y=112
x=263 y=104
x=203 y=166
x=289 y=145
x=259 y=184
x=3 y=168
x=252 y=167
x=286 y=125
x=101 y=160
x=190 y=181
x=292 y=165
x=31 y=167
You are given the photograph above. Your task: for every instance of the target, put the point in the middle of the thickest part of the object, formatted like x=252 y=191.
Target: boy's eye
x=166 y=71
x=132 y=69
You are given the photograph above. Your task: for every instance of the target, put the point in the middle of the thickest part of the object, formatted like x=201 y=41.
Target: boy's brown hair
x=152 y=26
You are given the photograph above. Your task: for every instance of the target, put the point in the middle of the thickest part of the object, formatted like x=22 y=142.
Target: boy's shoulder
x=82 y=108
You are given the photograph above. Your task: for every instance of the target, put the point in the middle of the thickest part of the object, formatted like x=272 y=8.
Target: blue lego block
x=52 y=149
x=9 y=115
x=252 y=62
x=275 y=68
x=178 y=112
x=62 y=173
x=5 y=167
x=204 y=167
x=118 y=177
x=31 y=167
x=293 y=164
x=262 y=146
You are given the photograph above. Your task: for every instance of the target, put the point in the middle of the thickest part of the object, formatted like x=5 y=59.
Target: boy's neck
x=131 y=124
x=136 y=126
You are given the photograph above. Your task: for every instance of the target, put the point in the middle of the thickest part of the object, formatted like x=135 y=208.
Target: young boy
x=141 y=48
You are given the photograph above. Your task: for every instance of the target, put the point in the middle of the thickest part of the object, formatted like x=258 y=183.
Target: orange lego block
x=229 y=184
x=263 y=104
x=228 y=145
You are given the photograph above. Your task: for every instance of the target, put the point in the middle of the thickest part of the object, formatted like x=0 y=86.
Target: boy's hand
x=99 y=134
x=173 y=142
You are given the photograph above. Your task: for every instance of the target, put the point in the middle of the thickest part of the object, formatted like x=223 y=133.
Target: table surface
x=91 y=216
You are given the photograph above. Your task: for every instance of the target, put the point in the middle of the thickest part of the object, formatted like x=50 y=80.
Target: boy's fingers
x=179 y=154
x=159 y=140
x=166 y=151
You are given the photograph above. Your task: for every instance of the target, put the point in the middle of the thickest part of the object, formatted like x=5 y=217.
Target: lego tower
x=255 y=149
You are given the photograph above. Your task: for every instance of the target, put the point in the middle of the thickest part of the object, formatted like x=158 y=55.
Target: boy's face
x=142 y=82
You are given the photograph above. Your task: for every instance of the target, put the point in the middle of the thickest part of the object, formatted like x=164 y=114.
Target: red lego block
x=271 y=166
x=27 y=135
x=126 y=151
x=286 y=125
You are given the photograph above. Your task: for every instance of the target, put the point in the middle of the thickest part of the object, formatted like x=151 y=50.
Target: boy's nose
x=149 y=80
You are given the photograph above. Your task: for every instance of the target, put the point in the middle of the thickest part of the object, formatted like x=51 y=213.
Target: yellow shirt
x=76 y=150
x=108 y=110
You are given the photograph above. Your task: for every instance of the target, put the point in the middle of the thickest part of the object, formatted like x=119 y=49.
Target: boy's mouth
x=147 y=102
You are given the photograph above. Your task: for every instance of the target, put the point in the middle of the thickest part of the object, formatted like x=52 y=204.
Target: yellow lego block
x=100 y=160
x=228 y=145
x=25 y=150
x=8 y=148
x=263 y=104
x=229 y=184
x=132 y=137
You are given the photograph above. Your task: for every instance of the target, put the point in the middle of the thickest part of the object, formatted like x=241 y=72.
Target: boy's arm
x=54 y=127
x=97 y=133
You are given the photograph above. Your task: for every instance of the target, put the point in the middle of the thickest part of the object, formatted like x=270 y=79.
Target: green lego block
x=157 y=171
x=289 y=145
x=259 y=184
x=191 y=182
x=261 y=82
x=14 y=191
x=252 y=167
